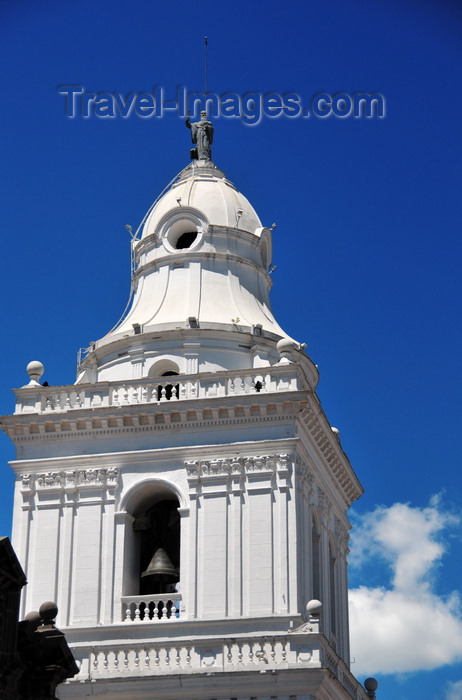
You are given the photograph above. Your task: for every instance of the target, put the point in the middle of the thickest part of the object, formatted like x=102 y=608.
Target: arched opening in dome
x=163 y=368
x=186 y=240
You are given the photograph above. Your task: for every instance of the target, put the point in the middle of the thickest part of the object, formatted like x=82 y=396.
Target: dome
x=200 y=262
x=205 y=189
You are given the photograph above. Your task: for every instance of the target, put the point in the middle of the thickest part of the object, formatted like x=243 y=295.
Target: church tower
x=185 y=501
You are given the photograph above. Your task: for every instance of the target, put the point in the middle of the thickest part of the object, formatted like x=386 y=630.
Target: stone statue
x=202 y=135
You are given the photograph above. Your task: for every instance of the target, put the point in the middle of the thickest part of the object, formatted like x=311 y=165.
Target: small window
x=186 y=240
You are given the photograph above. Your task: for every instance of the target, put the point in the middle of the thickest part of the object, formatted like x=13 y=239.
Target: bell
x=160 y=568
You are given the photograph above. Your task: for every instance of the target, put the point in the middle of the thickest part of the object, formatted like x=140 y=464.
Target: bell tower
x=185 y=500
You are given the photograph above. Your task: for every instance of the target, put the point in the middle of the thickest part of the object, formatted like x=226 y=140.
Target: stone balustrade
x=184 y=656
x=214 y=655
x=60 y=399
x=151 y=608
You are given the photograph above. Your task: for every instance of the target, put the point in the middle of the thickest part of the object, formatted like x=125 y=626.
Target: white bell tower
x=184 y=502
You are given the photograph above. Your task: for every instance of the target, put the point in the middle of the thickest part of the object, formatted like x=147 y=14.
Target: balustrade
x=32 y=399
x=163 y=607
x=254 y=654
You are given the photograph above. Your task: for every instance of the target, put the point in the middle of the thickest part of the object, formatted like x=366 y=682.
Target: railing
x=151 y=608
x=213 y=655
x=40 y=399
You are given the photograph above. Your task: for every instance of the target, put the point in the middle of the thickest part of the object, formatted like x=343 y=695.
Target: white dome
x=204 y=188
x=200 y=280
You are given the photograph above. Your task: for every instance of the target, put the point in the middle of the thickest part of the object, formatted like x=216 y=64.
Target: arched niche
x=165 y=368
x=152 y=538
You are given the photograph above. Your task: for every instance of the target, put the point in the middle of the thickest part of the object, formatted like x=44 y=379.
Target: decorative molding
x=332 y=452
x=67 y=482
x=202 y=470
x=305 y=479
x=325 y=509
x=142 y=419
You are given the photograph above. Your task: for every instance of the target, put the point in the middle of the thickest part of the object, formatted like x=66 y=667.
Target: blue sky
x=367 y=249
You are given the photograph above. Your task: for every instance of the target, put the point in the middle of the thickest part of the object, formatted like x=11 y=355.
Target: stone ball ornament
x=35 y=369
x=48 y=612
x=34 y=619
x=285 y=345
x=313 y=607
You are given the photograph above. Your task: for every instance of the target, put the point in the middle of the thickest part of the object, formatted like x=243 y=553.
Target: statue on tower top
x=202 y=135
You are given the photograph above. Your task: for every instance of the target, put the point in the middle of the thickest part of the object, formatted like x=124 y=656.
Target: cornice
x=330 y=450
x=142 y=418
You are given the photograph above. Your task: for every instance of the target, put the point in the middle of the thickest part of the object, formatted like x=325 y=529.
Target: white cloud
x=454 y=691
x=405 y=626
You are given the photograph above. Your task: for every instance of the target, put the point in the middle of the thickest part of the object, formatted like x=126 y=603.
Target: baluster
x=125 y=658
x=174 y=392
x=163 y=393
x=125 y=395
x=68 y=402
x=284 y=652
x=231 y=389
x=128 y=614
x=250 y=651
x=155 y=612
x=135 y=394
x=115 y=397
x=188 y=656
x=177 y=657
x=48 y=405
x=183 y=390
x=137 y=658
x=167 y=656
x=157 y=659
x=116 y=660
x=147 y=658
x=242 y=385
x=144 y=394
x=137 y=612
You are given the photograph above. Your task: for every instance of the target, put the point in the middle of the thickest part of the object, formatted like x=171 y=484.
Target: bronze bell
x=160 y=569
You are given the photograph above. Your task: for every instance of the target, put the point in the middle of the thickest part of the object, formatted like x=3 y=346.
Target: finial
x=312 y=609
x=35 y=369
x=371 y=686
x=48 y=612
x=34 y=619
